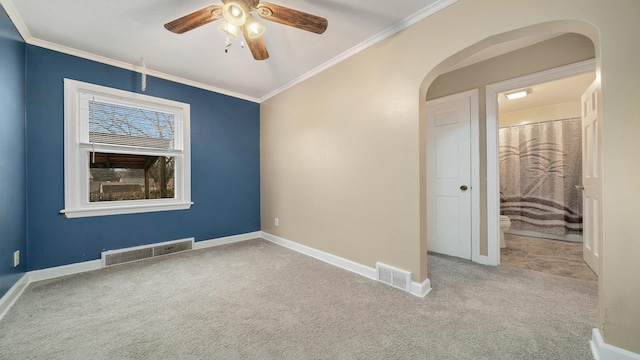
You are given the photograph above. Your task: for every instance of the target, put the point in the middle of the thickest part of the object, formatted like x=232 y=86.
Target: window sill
x=119 y=210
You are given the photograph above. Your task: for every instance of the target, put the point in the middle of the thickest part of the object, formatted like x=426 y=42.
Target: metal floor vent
x=395 y=277
x=121 y=256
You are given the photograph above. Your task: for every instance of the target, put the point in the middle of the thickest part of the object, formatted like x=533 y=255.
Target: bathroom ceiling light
x=518 y=94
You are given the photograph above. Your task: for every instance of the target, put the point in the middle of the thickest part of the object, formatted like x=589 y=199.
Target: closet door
x=449 y=174
x=591 y=178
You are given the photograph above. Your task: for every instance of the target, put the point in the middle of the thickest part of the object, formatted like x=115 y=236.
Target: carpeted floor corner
x=257 y=300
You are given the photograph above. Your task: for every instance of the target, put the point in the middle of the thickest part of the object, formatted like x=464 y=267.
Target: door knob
x=579 y=187
x=463 y=187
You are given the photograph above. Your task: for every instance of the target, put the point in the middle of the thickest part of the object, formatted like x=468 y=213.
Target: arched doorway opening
x=530 y=36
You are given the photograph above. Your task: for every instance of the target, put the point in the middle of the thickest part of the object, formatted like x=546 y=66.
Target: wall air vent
x=395 y=277
x=121 y=256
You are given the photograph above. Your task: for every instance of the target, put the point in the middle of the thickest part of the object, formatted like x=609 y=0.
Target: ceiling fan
x=237 y=16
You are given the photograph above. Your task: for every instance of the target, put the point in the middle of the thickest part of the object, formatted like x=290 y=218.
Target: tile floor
x=550 y=256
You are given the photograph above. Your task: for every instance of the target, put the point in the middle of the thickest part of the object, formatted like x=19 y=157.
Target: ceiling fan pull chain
x=227 y=44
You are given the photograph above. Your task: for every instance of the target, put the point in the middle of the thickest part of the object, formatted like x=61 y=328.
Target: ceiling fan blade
x=290 y=17
x=256 y=45
x=195 y=19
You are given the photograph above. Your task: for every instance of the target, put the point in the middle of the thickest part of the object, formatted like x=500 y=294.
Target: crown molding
x=15 y=17
x=395 y=28
x=29 y=39
x=135 y=68
x=401 y=25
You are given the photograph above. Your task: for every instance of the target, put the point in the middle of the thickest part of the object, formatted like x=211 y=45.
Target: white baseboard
x=13 y=294
x=334 y=260
x=417 y=289
x=58 y=271
x=64 y=270
x=604 y=351
x=50 y=273
x=421 y=289
x=226 y=240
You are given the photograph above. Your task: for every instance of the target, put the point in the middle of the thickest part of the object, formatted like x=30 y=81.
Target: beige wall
x=342 y=162
x=562 y=50
x=569 y=110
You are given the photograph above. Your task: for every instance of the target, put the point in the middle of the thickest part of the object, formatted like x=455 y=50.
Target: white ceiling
x=551 y=93
x=122 y=32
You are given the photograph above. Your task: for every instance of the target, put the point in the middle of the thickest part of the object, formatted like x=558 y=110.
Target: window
x=124 y=152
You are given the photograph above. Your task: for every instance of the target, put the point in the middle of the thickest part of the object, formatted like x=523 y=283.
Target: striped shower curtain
x=540 y=164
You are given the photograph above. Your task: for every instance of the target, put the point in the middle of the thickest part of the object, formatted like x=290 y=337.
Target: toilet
x=505 y=223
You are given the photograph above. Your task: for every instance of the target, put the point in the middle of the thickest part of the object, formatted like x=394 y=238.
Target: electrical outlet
x=16 y=258
x=277 y=222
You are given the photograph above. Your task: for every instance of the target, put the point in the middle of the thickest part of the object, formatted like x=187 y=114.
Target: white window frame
x=76 y=154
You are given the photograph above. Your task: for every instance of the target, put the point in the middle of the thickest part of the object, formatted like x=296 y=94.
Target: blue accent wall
x=13 y=221
x=225 y=166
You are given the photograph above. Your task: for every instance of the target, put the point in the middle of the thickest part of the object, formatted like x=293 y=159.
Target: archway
x=540 y=30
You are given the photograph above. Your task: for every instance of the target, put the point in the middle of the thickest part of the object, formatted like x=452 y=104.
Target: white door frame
x=493 y=168
x=475 y=169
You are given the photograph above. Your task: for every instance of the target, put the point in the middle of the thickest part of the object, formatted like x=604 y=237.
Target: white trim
x=76 y=170
x=7 y=301
x=129 y=209
x=475 y=175
x=474 y=147
x=421 y=289
x=334 y=260
x=482 y=259
x=15 y=17
x=395 y=28
x=64 y=270
x=132 y=67
x=493 y=169
x=417 y=289
x=226 y=240
x=135 y=68
x=604 y=351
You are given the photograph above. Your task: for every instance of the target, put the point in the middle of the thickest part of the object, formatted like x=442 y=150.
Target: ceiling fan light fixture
x=228 y=29
x=235 y=12
x=254 y=28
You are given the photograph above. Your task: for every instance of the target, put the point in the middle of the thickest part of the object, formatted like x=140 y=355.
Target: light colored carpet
x=257 y=300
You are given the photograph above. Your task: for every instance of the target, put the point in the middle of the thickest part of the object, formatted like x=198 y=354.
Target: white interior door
x=449 y=175
x=591 y=185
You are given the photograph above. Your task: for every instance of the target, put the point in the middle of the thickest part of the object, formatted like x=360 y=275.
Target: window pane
x=115 y=177
x=124 y=125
